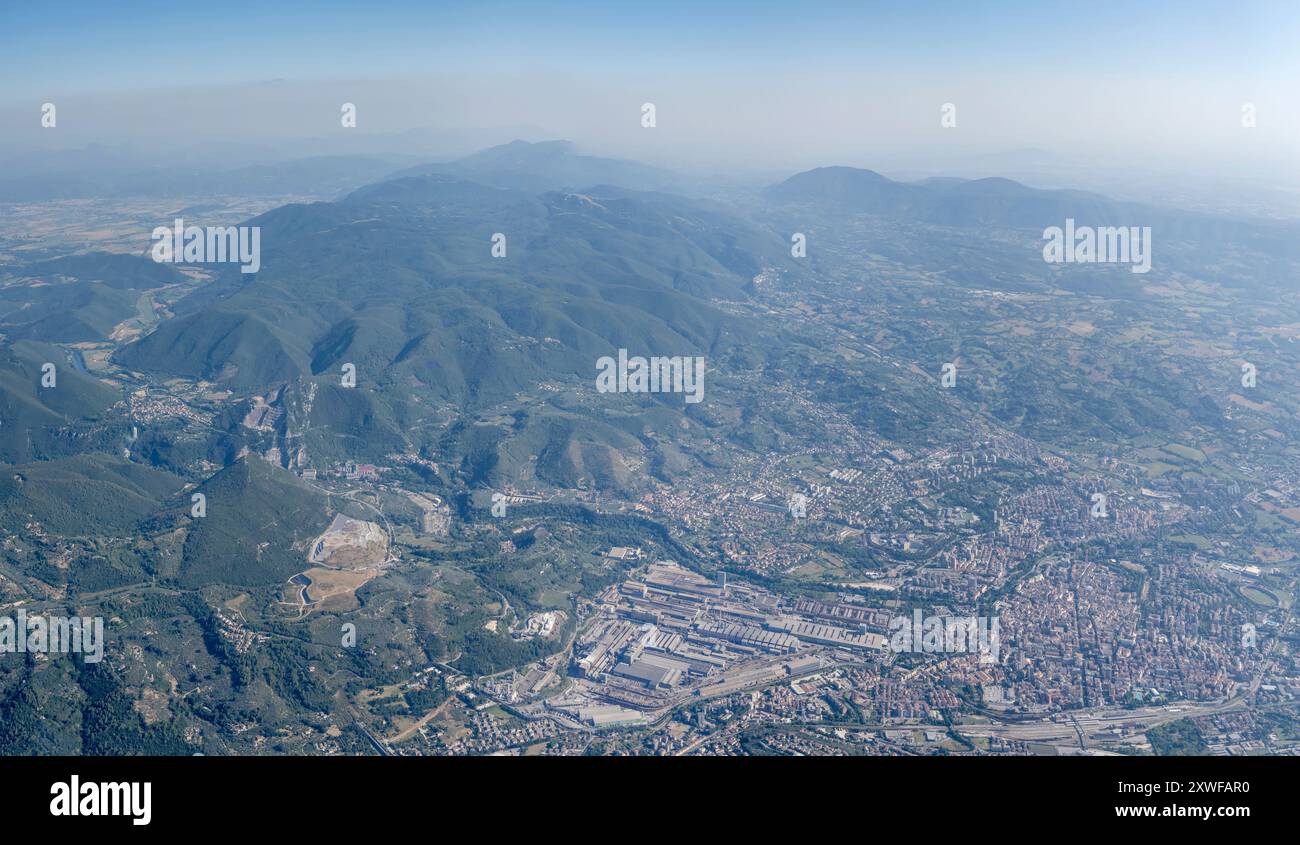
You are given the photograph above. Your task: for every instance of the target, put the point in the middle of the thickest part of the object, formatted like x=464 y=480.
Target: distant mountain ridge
x=548 y=165
x=943 y=202
x=995 y=201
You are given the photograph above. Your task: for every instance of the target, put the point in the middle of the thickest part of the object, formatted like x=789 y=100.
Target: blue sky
x=73 y=47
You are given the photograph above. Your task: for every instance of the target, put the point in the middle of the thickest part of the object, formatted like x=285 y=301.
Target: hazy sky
x=1156 y=85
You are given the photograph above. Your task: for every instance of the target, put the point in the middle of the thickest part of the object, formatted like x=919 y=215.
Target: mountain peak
x=520 y=153
x=547 y=165
x=836 y=184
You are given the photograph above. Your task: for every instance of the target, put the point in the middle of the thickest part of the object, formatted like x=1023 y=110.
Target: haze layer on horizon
x=1133 y=88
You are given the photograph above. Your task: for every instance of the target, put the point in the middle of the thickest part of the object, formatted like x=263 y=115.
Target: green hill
x=40 y=422
x=82 y=496
x=115 y=270
x=258 y=523
x=68 y=312
x=399 y=279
